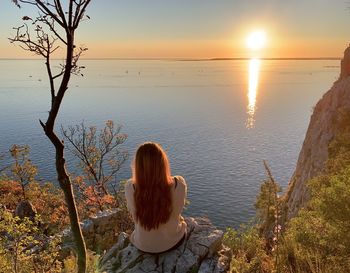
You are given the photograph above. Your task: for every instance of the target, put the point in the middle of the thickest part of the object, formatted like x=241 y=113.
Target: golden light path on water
x=254 y=68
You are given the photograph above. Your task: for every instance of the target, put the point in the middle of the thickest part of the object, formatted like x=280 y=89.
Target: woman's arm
x=129 y=196
x=181 y=194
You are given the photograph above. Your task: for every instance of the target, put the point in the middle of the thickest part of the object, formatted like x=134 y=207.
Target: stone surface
x=201 y=251
x=100 y=232
x=345 y=64
x=324 y=125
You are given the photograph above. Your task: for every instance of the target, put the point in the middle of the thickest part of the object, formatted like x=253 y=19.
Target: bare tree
x=100 y=157
x=52 y=29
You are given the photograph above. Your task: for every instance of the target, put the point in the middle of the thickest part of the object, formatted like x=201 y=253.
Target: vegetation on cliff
x=317 y=239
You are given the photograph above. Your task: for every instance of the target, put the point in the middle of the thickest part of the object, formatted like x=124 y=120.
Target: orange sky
x=201 y=29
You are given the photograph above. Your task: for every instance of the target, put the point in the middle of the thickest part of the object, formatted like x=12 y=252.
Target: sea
x=218 y=120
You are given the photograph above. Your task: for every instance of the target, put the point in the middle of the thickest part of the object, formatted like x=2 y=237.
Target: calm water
x=217 y=119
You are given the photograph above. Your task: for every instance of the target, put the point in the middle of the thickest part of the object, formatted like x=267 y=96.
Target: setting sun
x=256 y=40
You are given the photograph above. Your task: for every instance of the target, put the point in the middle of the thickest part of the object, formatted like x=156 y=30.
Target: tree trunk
x=66 y=186
x=62 y=175
x=74 y=222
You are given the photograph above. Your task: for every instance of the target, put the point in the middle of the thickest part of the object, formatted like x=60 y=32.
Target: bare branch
x=99 y=154
x=47 y=11
x=51 y=25
x=51 y=79
x=23 y=37
x=70 y=14
x=61 y=13
x=83 y=4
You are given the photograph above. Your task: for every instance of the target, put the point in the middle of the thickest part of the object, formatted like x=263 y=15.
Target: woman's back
x=166 y=235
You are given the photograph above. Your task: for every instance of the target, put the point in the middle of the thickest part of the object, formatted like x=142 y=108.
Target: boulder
x=25 y=209
x=201 y=251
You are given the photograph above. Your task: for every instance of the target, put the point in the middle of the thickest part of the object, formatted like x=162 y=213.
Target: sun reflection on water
x=254 y=67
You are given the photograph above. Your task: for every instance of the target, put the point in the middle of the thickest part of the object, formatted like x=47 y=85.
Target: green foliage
x=92 y=266
x=23 y=249
x=318 y=238
x=270 y=215
x=268 y=206
x=248 y=250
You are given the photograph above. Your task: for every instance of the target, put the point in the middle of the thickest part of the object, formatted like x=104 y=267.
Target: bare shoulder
x=181 y=181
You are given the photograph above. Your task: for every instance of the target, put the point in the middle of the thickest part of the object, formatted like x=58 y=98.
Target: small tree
x=52 y=29
x=23 y=248
x=268 y=206
x=22 y=169
x=99 y=153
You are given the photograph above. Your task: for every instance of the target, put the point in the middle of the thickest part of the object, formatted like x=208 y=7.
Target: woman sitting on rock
x=155 y=201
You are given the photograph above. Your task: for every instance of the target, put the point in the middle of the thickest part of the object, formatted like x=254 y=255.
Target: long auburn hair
x=151 y=175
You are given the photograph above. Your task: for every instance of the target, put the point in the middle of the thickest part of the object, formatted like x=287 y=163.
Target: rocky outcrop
x=201 y=251
x=345 y=64
x=324 y=125
x=100 y=231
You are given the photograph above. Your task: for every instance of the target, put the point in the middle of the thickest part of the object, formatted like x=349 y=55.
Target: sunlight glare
x=256 y=40
x=254 y=67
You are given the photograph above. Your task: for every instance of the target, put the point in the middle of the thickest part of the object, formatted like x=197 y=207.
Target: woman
x=155 y=201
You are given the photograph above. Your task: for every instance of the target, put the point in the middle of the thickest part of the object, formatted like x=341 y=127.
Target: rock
x=200 y=252
x=100 y=232
x=25 y=209
x=123 y=241
x=325 y=123
x=219 y=264
x=345 y=64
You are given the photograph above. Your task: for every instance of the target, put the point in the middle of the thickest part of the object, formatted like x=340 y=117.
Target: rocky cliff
x=324 y=125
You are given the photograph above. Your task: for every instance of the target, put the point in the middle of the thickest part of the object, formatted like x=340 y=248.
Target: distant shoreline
x=184 y=59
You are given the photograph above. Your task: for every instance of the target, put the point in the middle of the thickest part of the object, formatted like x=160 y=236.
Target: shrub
x=92 y=266
x=24 y=249
x=318 y=238
x=47 y=199
x=248 y=250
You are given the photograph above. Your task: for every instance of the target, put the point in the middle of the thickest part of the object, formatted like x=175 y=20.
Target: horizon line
x=186 y=59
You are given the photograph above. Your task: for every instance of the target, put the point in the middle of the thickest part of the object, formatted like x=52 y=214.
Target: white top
x=166 y=235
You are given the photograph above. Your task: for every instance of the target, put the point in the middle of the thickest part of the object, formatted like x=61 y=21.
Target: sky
x=197 y=29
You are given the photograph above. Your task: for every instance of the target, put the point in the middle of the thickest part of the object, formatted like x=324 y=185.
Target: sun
x=256 y=40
